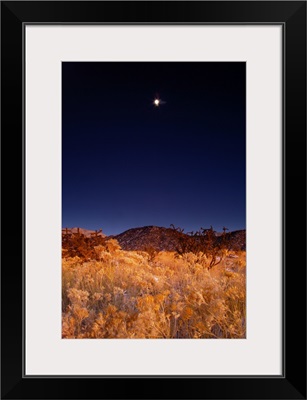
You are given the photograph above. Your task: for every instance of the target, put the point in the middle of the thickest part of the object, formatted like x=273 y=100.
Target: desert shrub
x=126 y=294
x=204 y=244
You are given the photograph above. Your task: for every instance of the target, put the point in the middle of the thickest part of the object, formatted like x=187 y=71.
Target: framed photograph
x=153 y=231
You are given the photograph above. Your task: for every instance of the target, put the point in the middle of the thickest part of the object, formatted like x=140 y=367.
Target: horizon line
x=147 y=226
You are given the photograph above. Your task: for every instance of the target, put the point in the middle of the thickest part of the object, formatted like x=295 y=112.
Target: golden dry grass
x=128 y=294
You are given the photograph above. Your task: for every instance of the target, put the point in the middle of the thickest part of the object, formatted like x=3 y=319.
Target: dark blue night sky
x=127 y=163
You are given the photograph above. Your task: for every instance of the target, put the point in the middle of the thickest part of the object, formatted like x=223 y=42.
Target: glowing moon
x=157 y=102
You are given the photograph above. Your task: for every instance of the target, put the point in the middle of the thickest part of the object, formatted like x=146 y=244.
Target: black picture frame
x=292 y=16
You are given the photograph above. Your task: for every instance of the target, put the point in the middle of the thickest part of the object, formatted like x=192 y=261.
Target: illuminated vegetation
x=134 y=294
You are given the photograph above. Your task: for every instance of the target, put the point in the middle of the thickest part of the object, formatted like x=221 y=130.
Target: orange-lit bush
x=130 y=294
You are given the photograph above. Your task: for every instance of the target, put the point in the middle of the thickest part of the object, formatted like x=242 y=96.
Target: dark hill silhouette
x=80 y=242
x=168 y=239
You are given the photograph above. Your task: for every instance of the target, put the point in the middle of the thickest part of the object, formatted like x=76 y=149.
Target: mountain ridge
x=169 y=239
x=152 y=237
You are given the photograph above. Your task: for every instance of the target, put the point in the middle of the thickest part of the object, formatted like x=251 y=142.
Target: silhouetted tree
x=202 y=242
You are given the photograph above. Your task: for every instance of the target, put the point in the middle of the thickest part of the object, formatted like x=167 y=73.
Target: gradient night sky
x=127 y=163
